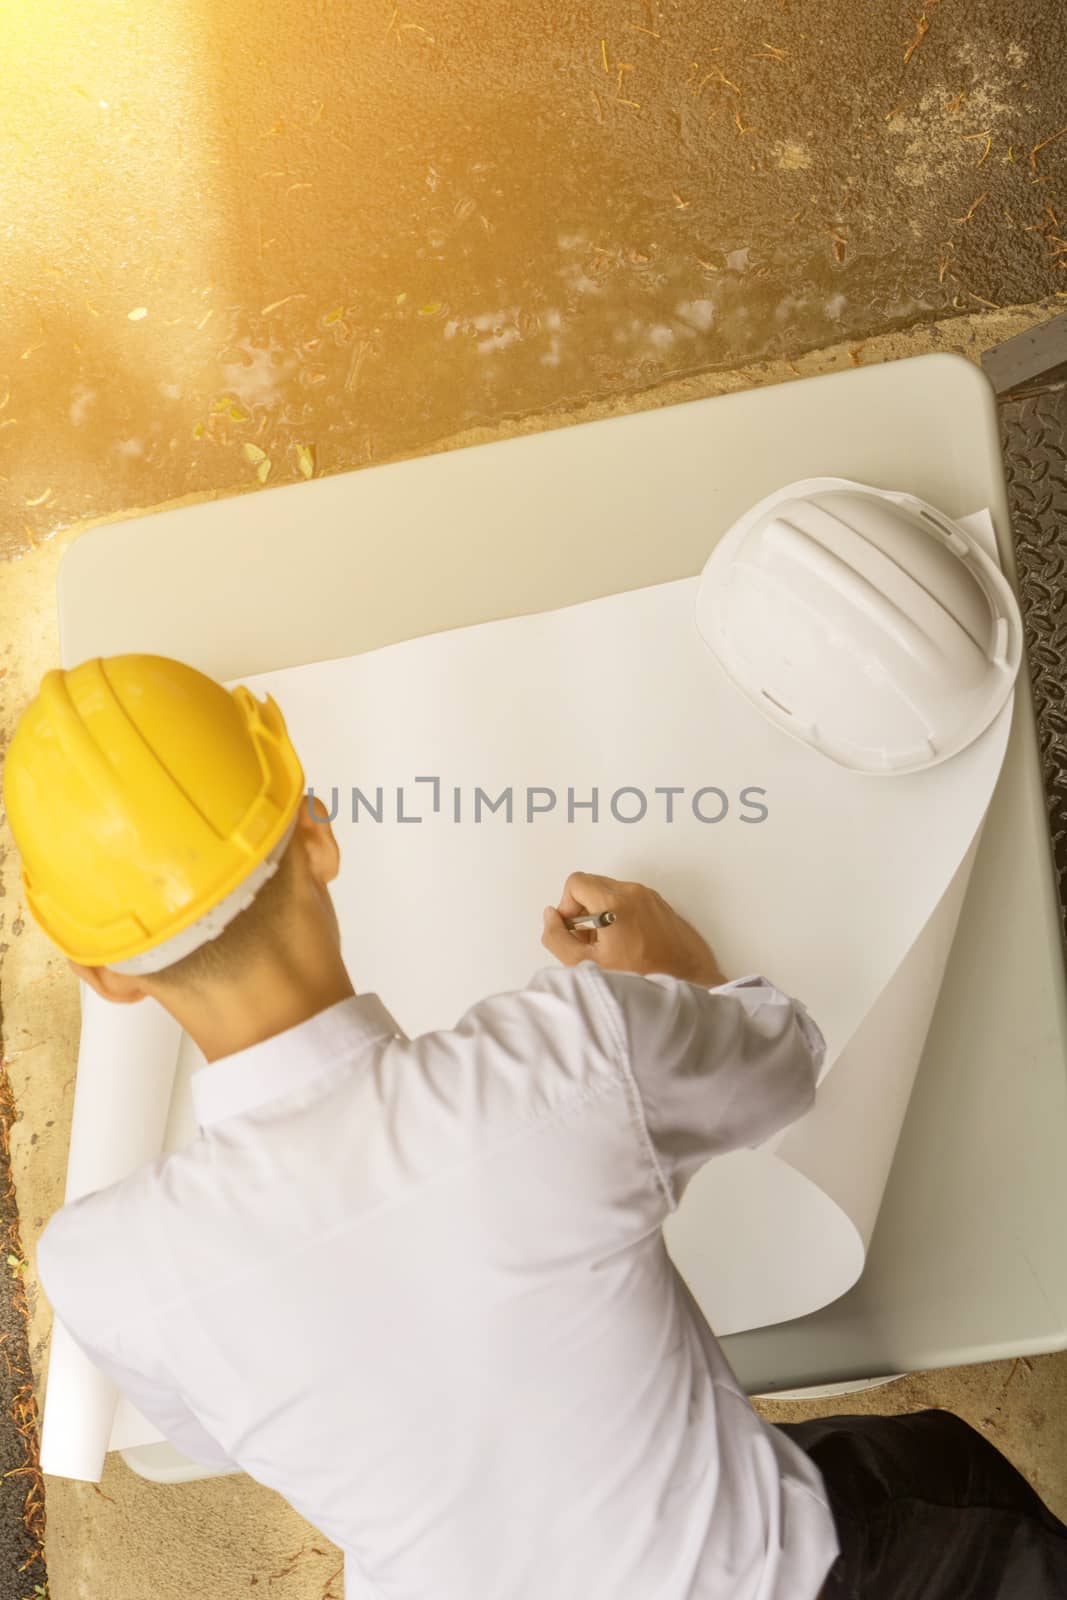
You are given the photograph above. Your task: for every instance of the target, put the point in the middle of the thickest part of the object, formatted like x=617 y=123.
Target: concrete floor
x=320 y=243
x=290 y=271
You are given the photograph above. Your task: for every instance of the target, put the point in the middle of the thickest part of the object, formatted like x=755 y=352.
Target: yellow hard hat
x=146 y=799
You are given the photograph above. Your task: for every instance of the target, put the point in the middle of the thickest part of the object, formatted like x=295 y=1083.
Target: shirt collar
x=236 y=1083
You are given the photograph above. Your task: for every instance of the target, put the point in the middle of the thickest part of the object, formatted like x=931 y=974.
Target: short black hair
x=230 y=953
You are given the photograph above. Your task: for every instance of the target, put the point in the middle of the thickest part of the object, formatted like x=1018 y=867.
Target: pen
x=595 y=919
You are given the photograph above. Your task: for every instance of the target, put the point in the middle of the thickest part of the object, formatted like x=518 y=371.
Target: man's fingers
x=585 y=891
x=559 y=941
x=571 y=906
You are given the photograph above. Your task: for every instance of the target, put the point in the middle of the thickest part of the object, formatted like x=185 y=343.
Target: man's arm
x=715 y=1069
x=79 y=1300
x=714 y=1065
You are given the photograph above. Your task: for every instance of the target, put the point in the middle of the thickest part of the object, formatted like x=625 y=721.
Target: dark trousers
x=926 y=1509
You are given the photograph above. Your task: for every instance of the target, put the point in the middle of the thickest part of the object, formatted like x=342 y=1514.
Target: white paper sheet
x=845 y=895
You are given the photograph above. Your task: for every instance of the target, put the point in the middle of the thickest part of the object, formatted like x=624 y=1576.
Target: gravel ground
x=22 y=1568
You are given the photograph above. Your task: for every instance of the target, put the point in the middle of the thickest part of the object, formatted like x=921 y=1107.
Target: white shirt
x=418 y=1286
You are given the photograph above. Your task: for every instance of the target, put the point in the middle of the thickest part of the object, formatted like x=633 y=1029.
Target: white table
x=968 y=1261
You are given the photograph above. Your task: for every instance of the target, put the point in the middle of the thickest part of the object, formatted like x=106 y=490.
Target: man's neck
x=274 y=996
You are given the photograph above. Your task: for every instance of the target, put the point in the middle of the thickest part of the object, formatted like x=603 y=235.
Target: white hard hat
x=865 y=623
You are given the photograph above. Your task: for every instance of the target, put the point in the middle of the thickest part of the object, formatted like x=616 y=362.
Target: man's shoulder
x=565 y=1003
x=527 y=1051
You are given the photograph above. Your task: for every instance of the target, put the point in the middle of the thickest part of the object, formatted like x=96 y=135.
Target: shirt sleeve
x=713 y=1070
x=112 y=1353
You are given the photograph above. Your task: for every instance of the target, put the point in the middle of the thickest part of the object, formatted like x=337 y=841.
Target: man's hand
x=646 y=936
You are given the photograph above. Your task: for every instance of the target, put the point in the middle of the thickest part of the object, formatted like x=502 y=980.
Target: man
x=419 y=1286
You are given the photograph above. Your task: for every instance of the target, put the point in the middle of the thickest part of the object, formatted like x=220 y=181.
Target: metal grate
x=1034 y=438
